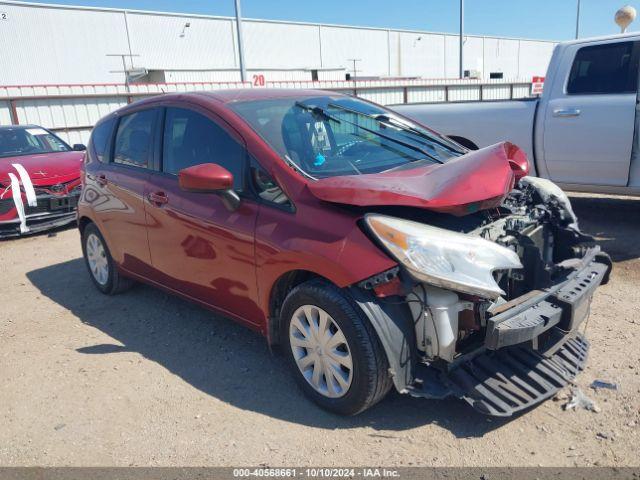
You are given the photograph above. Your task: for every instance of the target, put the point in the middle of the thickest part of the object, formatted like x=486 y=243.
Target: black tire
x=116 y=283
x=371 y=379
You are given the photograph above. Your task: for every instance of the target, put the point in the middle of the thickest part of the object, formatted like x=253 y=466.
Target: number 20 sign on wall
x=258 y=80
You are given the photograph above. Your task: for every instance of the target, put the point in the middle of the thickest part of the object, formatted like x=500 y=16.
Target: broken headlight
x=444 y=258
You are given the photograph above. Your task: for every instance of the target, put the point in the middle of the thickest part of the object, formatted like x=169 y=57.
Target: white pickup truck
x=583 y=131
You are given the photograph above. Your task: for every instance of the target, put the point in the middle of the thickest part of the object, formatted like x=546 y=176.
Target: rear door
x=118 y=189
x=199 y=247
x=589 y=121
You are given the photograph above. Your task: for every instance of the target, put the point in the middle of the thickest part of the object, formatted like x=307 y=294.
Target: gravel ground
x=147 y=379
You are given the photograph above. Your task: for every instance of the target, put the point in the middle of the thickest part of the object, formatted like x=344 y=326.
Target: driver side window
x=191 y=139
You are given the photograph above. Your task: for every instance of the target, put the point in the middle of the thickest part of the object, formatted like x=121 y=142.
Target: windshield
x=329 y=136
x=28 y=141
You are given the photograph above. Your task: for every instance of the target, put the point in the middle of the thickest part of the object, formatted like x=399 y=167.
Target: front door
x=199 y=247
x=589 y=121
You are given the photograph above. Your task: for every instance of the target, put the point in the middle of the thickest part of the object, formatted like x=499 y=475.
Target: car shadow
x=225 y=360
x=614 y=221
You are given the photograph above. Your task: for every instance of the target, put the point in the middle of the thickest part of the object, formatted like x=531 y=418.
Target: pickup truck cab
x=582 y=133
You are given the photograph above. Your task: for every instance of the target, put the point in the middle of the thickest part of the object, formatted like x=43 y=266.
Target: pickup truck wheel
x=336 y=356
x=102 y=268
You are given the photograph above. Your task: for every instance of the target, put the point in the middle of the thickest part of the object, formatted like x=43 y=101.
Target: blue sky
x=543 y=19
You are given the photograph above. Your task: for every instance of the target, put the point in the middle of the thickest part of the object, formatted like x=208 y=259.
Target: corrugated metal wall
x=5 y=113
x=51 y=45
x=278 y=45
x=59 y=44
x=207 y=43
x=370 y=47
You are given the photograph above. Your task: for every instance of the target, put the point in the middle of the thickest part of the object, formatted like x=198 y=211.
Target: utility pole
x=461 y=38
x=578 y=20
x=243 y=72
x=355 y=71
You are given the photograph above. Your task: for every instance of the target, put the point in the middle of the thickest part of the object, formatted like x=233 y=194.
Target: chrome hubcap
x=321 y=351
x=97 y=259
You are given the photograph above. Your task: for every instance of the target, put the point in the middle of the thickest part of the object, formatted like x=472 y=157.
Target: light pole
x=578 y=20
x=461 y=38
x=243 y=72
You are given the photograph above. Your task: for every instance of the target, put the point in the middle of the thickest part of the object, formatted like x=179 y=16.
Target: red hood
x=475 y=181
x=44 y=168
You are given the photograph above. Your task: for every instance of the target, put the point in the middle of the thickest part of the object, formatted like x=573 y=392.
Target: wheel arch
x=279 y=291
x=83 y=222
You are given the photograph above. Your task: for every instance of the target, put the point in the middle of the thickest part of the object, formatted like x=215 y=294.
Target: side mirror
x=210 y=178
x=79 y=147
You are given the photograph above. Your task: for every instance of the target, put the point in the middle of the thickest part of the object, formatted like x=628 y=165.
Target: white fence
x=72 y=110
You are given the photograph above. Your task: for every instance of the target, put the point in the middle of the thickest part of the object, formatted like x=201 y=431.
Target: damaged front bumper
x=36 y=224
x=51 y=211
x=503 y=382
x=532 y=347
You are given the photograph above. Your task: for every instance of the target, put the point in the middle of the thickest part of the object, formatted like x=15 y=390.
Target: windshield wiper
x=317 y=111
x=322 y=113
x=394 y=122
x=411 y=146
x=400 y=124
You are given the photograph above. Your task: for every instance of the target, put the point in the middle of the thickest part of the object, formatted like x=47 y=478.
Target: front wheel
x=333 y=350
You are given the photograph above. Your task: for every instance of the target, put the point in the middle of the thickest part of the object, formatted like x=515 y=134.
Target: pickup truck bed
x=479 y=124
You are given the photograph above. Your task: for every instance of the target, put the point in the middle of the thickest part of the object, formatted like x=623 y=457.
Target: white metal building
x=52 y=44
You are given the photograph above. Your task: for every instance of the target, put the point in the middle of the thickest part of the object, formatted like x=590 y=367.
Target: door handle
x=102 y=180
x=566 y=112
x=158 y=198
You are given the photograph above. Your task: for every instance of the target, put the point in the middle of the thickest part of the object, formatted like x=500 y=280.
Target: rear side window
x=609 y=68
x=100 y=139
x=133 y=140
x=191 y=139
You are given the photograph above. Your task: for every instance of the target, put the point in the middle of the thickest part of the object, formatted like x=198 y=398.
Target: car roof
x=246 y=94
x=233 y=95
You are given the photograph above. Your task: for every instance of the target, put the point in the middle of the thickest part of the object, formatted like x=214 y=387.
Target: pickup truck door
x=589 y=120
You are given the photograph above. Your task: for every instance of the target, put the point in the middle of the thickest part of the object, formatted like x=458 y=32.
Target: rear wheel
x=100 y=264
x=333 y=350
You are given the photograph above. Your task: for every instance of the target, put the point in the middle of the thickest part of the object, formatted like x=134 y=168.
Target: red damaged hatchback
x=375 y=251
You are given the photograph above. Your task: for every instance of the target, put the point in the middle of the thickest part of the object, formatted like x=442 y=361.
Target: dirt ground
x=147 y=379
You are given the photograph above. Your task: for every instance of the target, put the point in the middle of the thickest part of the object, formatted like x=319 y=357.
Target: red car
x=39 y=180
x=375 y=251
